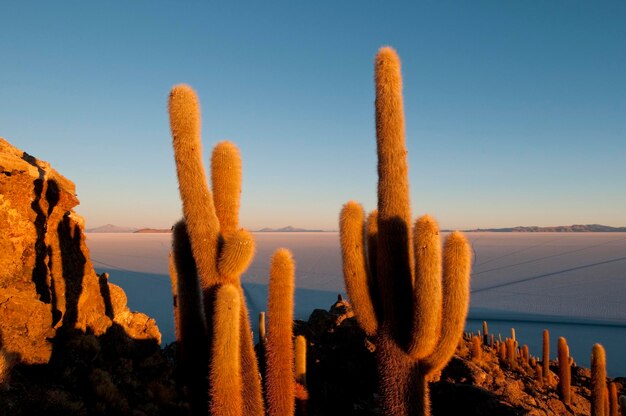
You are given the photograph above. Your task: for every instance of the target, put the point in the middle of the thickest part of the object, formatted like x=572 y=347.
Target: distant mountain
x=577 y=228
x=153 y=231
x=110 y=228
x=287 y=229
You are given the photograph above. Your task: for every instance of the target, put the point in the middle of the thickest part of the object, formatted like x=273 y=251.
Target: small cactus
x=476 y=349
x=486 y=334
x=565 y=372
x=300 y=360
x=546 y=354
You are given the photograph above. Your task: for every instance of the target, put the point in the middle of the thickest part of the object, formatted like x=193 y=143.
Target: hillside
x=576 y=228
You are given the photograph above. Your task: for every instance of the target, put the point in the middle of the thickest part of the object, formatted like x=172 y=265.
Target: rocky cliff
x=47 y=282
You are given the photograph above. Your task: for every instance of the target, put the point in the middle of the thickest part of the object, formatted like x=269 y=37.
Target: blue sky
x=515 y=111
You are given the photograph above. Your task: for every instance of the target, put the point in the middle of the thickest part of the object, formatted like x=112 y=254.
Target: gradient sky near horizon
x=515 y=111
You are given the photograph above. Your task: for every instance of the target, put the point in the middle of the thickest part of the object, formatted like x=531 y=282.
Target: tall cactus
x=210 y=243
x=280 y=377
x=404 y=291
x=598 y=380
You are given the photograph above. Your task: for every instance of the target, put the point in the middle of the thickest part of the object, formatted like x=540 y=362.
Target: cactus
x=300 y=360
x=225 y=374
x=214 y=252
x=415 y=309
x=511 y=352
x=525 y=355
x=539 y=374
x=262 y=336
x=301 y=393
x=546 y=355
x=486 y=334
x=598 y=380
x=174 y=282
x=613 y=400
x=565 y=371
x=476 y=349
x=280 y=378
x=193 y=330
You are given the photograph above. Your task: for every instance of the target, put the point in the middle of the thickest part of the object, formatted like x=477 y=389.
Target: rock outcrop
x=47 y=282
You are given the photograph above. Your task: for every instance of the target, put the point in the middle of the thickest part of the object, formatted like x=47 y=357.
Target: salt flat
x=571 y=283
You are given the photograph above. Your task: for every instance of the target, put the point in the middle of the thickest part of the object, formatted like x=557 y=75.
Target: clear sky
x=515 y=111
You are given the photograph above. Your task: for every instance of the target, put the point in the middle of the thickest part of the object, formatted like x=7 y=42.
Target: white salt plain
x=573 y=284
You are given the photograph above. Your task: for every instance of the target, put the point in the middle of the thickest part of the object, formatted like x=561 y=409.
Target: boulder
x=47 y=281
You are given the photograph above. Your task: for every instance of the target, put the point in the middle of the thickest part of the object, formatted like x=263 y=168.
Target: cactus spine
x=214 y=248
x=598 y=380
x=280 y=378
x=565 y=371
x=384 y=283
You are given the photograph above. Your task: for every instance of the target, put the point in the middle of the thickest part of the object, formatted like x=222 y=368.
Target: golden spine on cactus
x=546 y=354
x=351 y=226
x=598 y=380
x=565 y=372
x=457 y=264
x=226 y=181
x=411 y=277
x=280 y=379
x=203 y=226
x=225 y=374
x=199 y=212
x=427 y=296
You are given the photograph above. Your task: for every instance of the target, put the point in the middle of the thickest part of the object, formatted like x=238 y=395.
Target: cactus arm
x=427 y=295
x=226 y=184
x=280 y=377
x=192 y=329
x=371 y=240
x=174 y=282
x=351 y=227
x=225 y=374
x=457 y=259
x=198 y=209
x=236 y=255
